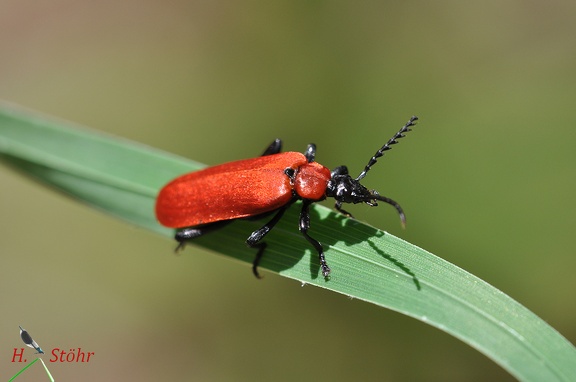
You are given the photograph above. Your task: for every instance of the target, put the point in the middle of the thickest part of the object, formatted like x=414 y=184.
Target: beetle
x=203 y=201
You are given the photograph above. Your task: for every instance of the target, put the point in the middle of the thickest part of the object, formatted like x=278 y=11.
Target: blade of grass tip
x=23 y=369
x=47 y=371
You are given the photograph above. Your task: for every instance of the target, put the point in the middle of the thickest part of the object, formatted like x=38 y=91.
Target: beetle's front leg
x=304 y=226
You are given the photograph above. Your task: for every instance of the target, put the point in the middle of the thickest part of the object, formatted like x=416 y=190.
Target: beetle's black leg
x=261 y=247
x=254 y=240
x=189 y=233
x=338 y=206
x=274 y=148
x=310 y=152
x=304 y=226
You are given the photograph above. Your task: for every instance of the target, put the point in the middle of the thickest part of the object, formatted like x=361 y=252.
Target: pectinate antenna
x=387 y=146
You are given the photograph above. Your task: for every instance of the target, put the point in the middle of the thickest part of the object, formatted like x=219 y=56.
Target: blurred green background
x=486 y=178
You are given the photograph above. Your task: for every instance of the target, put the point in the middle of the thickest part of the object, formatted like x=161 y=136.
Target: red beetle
x=205 y=200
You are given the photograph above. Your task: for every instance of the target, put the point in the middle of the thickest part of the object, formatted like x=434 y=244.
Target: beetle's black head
x=344 y=189
x=347 y=190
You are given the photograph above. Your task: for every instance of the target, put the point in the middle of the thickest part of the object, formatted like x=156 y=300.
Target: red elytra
x=205 y=200
x=239 y=189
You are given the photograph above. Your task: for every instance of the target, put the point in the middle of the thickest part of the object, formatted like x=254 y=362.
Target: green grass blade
x=47 y=371
x=122 y=178
x=22 y=370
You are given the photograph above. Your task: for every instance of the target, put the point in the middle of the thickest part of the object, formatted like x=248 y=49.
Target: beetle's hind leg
x=189 y=233
x=261 y=248
x=254 y=240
